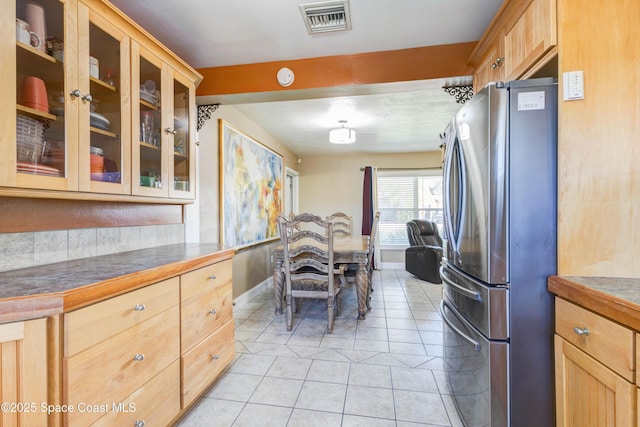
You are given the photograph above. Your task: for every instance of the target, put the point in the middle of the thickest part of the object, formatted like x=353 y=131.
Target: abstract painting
x=250 y=189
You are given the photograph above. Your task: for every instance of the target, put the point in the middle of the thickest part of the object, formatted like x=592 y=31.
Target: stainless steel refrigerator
x=500 y=228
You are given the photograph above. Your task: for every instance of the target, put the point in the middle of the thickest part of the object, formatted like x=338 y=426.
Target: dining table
x=346 y=250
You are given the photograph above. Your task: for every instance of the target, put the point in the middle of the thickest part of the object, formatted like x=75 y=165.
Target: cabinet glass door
x=103 y=81
x=42 y=149
x=181 y=135
x=149 y=163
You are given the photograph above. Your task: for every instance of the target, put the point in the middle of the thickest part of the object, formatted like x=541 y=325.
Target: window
x=406 y=195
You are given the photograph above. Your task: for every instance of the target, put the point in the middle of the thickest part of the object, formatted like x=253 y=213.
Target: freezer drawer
x=477 y=378
x=485 y=307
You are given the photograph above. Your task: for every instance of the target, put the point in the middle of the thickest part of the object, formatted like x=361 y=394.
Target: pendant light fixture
x=342 y=135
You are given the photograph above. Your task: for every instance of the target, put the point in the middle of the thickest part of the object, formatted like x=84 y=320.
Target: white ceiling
x=394 y=117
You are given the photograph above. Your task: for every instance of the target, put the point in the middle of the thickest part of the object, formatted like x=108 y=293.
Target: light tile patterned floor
x=383 y=371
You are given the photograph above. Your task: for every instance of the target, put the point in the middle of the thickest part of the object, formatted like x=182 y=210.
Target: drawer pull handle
x=581 y=331
x=213 y=311
x=138 y=357
x=215 y=357
x=139 y=423
x=139 y=307
x=212 y=277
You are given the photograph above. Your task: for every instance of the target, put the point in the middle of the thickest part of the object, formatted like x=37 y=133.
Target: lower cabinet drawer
x=90 y=325
x=204 y=363
x=156 y=403
x=113 y=369
x=204 y=314
x=607 y=341
x=205 y=279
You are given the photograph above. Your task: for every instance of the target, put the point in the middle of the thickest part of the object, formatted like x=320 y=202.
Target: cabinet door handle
x=213 y=311
x=212 y=277
x=581 y=331
x=139 y=423
x=139 y=307
x=215 y=357
x=170 y=131
x=75 y=93
x=138 y=357
x=87 y=97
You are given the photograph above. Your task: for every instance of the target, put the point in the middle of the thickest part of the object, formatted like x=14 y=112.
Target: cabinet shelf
x=35 y=114
x=102 y=84
x=148 y=105
x=30 y=50
x=149 y=146
x=103 y=132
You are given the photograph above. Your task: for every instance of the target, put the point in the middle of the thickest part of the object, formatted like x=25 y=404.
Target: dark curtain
x=367 y=201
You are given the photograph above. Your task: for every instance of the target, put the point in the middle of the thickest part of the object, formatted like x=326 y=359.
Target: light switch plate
x=573 y=83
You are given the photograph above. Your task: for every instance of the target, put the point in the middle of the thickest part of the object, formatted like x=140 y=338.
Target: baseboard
x=392 y=266
x=247 y=296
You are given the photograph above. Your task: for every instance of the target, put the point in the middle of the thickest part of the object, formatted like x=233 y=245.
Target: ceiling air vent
x=326 y=16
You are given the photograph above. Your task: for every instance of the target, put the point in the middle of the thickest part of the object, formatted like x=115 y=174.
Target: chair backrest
x=308 y=255
x=342 y=223
x=422 y=232
x=372 y=238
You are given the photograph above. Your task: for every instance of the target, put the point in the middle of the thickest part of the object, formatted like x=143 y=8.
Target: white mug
x=25 y=35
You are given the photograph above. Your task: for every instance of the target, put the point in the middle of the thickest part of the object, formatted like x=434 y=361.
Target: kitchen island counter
x=615 y=298
x=49 y=289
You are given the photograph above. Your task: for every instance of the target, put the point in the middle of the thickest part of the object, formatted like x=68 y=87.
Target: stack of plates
x=24 y=167
x=150 y=98
x=99 y=121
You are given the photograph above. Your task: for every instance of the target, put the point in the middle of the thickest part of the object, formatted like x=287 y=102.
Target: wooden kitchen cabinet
x=164 y=104
x=82 y=141
x=23 y=346
x=117 y=347
x=207 y=327
x=490 y=67
x=594 y=369
x=148 y=353
x=519 y=39
x=529 y=38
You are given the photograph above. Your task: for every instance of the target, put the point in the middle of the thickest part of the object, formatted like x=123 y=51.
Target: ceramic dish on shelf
x=99 y=121
x=26 y=167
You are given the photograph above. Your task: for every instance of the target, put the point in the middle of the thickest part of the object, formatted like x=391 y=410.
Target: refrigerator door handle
x=451 y=167
x=474 y=295
x=476 y=345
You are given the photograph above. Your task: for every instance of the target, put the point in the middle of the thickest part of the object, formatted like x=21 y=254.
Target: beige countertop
x=615 y=298
x=49 y=289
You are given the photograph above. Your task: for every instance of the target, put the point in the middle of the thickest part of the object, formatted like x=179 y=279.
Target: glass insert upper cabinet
x=149 y=159
x=104 y=107
x=72 y=68
x=100 y=107
x=182 y=167
x=39 y=150
x=162 y=128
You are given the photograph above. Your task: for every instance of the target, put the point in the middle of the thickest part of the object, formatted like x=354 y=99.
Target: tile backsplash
x=20 y=250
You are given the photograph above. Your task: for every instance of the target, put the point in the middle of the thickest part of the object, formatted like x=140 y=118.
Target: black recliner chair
x=422 y=258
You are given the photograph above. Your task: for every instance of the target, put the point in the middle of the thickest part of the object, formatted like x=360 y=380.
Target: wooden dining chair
x=342 y=223
x=372 y=246
x=308 y=265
